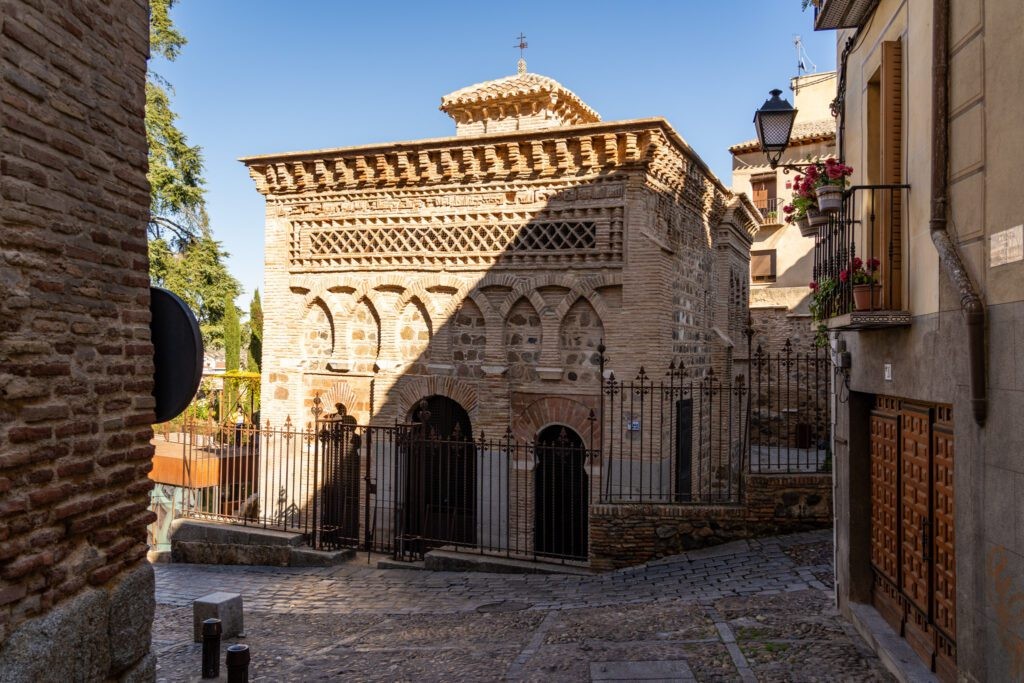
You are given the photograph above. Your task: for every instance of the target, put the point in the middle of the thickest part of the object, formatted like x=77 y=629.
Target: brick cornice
x=585 y=150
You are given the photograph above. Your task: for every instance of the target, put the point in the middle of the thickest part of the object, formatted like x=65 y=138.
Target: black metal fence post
x=211 y=648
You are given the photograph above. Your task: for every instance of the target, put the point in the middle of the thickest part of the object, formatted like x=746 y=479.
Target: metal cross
x=521 y=45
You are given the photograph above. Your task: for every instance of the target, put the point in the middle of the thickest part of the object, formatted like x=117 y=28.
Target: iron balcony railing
x=861 y=256
x=769 y=209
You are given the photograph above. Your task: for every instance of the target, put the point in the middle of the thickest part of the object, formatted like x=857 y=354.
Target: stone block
x=220 y=605
x=131 y=618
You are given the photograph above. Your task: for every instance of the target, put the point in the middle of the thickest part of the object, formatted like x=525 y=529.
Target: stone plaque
x=1007 y=246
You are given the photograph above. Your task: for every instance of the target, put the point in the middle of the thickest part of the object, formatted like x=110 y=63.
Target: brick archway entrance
x=560 y=493
x=440 y=476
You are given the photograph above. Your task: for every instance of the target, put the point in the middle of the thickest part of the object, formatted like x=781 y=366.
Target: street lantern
x=774 y=123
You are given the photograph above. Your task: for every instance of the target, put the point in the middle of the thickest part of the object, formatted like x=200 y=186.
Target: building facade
x=929 y=391
x=76 y=362
x=485 y=273
x=781 y=259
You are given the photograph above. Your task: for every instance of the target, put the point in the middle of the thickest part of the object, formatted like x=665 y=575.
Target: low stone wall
x=626 y=535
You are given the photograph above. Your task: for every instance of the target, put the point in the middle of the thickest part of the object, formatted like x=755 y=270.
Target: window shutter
x=762 y=266
x=891 y=163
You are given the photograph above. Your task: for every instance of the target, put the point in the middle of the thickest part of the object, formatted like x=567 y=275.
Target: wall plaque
x=1006 y=246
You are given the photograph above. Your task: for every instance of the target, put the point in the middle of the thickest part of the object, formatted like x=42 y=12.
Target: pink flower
x=844 y=275
x=813 y=286
x=873 y=264
x=788 y=208
x=857 y=263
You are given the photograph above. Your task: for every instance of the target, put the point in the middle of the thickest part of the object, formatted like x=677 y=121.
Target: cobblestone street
x=752 y=610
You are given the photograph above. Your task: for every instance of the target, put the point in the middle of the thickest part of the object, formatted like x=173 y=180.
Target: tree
x=183 y=255
x=255 y=360
x=198 y=275
x=232 y=335
x=177 y=204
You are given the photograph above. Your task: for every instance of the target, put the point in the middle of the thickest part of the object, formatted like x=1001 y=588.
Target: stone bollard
x=238 y=663
x=211 y=648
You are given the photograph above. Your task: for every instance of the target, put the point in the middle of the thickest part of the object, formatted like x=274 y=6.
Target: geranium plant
x=833 y=172
x=803 y=197
x=860 y=272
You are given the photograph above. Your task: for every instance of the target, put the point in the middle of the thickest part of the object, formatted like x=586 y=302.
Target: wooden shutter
x=762 y=266
x=891 y=167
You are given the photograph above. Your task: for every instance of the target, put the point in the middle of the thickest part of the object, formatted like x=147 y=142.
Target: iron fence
x=679 y=439
x=789 y=410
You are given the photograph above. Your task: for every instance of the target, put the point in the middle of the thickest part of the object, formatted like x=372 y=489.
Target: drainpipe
x=970 y=303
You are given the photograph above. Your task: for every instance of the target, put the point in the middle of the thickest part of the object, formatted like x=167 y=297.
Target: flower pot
x=830 y=198
x=867 y=297
x=805 y=227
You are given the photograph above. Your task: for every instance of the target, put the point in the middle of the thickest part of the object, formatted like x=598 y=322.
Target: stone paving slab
x=754 y=611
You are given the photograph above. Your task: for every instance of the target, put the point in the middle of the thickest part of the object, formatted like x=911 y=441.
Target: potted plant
x=830 y=179
x=824 y=295
x=802 y=210
x=867 y=294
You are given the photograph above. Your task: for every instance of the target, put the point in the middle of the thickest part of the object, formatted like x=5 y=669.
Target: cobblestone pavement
x=752 y=610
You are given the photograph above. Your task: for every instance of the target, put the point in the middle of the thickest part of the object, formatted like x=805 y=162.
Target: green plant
x=824 y=293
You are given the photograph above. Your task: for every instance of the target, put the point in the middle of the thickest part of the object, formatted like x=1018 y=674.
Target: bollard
x=211 y=648
x=238 y=664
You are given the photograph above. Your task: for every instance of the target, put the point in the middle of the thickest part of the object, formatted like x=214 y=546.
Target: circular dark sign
x=177 y=353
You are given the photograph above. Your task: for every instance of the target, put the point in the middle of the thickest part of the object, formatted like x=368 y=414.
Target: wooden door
x=913 y=556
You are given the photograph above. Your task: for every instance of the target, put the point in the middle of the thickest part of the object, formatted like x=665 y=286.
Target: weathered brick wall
x=625 y=535
x=75 y=357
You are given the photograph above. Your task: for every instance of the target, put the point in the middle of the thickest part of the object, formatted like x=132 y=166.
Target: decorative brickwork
x=76 y=594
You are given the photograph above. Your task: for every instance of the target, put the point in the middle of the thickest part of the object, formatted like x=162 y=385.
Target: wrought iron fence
x=790 y=410
x=769 y=209
x=678 y=439
x=405 y=489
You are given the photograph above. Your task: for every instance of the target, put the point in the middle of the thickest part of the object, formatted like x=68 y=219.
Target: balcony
x=860 y=260
x=833 y=14
x=769 y=209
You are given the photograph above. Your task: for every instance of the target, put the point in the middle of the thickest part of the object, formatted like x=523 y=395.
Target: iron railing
x=678 y=439
x=790 y=411
x=864 y=242
x=769 y=209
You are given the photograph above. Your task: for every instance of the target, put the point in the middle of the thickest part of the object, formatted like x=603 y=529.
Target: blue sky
x=268 y=76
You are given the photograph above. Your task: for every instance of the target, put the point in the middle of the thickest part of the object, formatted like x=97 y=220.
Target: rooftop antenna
x=802 y=59
x=522 y=53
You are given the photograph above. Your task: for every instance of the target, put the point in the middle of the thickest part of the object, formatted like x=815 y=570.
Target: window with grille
x=762 y=266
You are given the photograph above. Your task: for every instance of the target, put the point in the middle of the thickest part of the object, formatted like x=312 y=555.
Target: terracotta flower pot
x=867 y=297
x=830 y=198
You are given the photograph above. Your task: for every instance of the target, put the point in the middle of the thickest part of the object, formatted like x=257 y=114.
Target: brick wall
x=75 y=357
x=625 y=535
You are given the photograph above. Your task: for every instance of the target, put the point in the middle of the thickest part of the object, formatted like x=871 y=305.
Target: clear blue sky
x=268 y=76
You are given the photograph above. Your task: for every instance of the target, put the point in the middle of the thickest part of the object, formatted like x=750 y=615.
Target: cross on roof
x=522 y=49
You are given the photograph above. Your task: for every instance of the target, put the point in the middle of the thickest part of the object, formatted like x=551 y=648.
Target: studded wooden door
x=912 y=531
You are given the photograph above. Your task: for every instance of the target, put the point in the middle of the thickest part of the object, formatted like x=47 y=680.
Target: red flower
x=856 y=263
x=788 y=208
x=844 y=275
x=813 y=286
x=873 y=263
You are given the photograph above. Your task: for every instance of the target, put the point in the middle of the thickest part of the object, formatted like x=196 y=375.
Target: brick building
x=482 y=271
x=76 y=594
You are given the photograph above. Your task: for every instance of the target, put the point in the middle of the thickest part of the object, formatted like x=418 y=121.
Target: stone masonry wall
x=626 y=535
x=76 y=594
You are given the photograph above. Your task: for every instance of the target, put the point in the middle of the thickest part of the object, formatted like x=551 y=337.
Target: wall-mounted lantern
x=774 y=124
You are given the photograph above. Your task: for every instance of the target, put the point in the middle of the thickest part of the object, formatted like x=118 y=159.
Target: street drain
x=504 y=606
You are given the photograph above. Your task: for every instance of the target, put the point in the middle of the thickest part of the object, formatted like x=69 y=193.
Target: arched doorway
x=340 y=443
x=560 y=494
x=440 y=476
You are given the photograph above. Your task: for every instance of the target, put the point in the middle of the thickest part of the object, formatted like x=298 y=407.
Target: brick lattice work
x=75 y=357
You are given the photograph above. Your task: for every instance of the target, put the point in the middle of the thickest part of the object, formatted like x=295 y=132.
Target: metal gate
x=560 y=494
x=912 y=531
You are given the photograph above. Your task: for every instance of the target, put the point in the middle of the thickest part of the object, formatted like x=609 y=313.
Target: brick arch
x=527 y=292
x=413 y=388
x=592 y=297
x=552 y=410
x=339 y=392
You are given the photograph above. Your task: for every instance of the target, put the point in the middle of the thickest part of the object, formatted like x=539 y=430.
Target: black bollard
x=238 y=664
x=211 y=648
